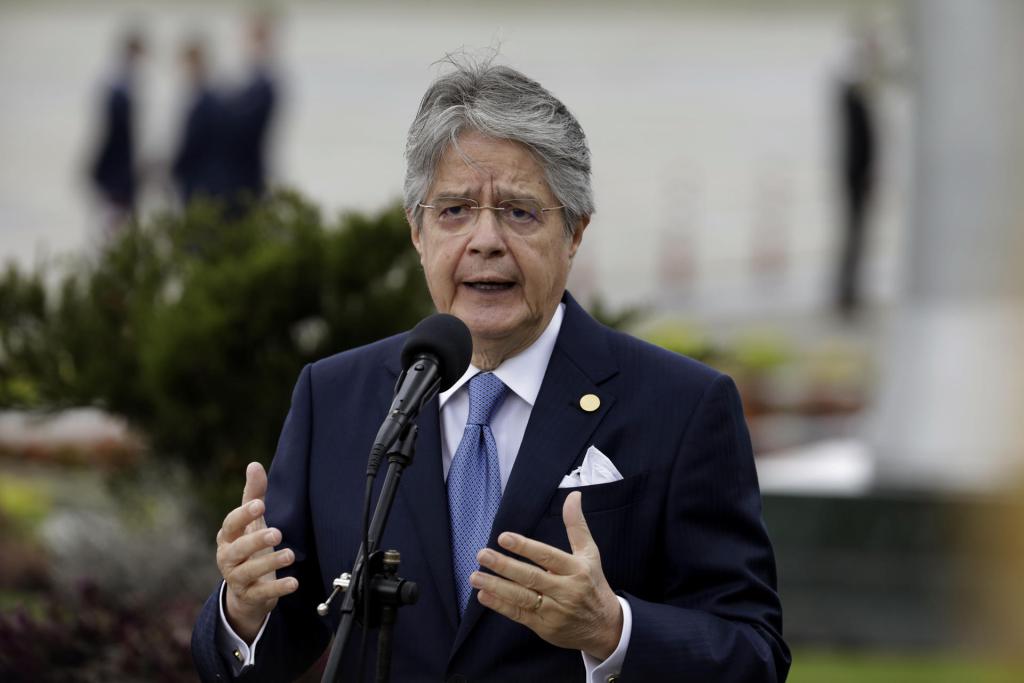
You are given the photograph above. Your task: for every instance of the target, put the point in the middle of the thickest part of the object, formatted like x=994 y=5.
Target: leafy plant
x=195 y=326
x=86 y=637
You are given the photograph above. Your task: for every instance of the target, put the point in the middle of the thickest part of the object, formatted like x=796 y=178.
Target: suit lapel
x=557 y=434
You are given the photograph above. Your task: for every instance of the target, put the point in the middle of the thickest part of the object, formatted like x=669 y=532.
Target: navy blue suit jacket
x=250 y=112
x=200 y=166
x=113 y=169
x=681 y=535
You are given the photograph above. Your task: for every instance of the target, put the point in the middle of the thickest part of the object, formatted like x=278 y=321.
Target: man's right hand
x=247 y=561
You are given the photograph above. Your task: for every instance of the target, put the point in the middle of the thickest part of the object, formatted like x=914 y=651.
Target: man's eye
x=521 y=213
x=454 y=211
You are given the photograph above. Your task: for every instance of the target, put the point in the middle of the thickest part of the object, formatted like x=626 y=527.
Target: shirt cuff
x=606 y=671
x=234 y=649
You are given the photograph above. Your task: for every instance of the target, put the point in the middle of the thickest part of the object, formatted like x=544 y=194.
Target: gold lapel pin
x=590 y=402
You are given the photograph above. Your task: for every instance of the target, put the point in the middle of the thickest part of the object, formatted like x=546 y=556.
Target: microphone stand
x=387 y=592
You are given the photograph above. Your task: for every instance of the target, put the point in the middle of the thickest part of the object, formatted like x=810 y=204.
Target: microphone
x=434 y=357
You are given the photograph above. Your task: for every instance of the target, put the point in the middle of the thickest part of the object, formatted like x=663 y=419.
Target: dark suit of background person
x=113 y=168
x=681 y=535
x=199 y=162
x=858 y=174
x=249 y=112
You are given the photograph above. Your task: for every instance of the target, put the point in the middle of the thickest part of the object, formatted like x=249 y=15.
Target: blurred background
x=821 y=198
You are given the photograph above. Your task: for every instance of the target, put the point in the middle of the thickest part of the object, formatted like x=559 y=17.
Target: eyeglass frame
x=474 y=205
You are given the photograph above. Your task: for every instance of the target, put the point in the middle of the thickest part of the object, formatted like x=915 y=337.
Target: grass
x=830 y=667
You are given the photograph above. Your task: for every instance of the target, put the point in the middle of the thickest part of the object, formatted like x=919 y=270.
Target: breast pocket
x=599 y=498
x=616 y=522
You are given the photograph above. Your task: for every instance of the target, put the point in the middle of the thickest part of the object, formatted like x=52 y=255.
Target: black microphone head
x=446 y=338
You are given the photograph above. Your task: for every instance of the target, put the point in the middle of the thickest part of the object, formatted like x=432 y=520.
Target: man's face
x=503 y=283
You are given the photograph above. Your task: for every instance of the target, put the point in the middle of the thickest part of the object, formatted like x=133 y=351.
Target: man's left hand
x=565 y=598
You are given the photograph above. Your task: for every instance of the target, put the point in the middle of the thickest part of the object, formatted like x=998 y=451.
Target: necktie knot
x=486 y=393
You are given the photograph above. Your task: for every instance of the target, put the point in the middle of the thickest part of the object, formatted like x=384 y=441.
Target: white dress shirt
x=522 y=374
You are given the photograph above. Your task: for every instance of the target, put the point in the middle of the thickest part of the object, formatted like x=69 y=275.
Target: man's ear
x=577 y=235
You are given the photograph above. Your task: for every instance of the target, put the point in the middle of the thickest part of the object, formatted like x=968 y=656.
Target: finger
x=236 y=520
x=233 y=554
x=268 y=590
x=254 y=568
x=505 y=608
x=549 y=557
x=575 y=523
x=255 y=489
x=508 y=591
x=523 y=573
x=255 y=483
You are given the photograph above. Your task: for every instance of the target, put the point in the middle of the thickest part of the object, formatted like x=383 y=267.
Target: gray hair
x=502 y=103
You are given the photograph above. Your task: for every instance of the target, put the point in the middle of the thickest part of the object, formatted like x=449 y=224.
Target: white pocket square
x=596 y=469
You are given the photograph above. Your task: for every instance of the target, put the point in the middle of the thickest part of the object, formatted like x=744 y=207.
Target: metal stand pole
x=387 y=591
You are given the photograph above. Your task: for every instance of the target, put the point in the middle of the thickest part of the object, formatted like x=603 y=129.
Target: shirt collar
x=524 y=372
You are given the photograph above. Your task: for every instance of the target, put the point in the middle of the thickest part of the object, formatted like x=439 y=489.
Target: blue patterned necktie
x=474 y=482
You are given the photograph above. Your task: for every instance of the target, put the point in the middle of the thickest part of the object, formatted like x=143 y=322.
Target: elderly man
x=583 y=506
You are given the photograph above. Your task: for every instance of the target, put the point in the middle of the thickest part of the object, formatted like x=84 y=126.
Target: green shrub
x=195 y=327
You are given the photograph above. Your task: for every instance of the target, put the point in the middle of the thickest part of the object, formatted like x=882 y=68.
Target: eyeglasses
x=458 y=215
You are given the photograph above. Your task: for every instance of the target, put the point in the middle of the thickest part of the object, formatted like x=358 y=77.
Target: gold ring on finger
x=540 y=601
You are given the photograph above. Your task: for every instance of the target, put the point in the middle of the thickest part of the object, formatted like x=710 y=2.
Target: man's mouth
x=489 y=285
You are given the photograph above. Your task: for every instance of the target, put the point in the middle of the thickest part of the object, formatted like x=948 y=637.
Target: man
x=659 y=569
x=250 y=111
x=199 y=165
x=113 y=169
x=858 y=151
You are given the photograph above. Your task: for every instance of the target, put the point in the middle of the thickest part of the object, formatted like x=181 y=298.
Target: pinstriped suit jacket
x=681 y=535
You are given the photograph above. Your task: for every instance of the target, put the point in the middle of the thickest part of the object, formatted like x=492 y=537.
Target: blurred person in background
x=113 y=170
x=250 y=110
x=858 y=151
x=199 y=165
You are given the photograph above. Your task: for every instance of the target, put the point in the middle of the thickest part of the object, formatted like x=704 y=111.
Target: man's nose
x=487 y=237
